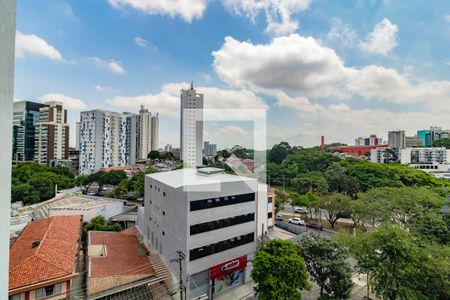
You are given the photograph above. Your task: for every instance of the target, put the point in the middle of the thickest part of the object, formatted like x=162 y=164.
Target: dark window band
x=221 y=201
x=222 y=223
x=221 y=246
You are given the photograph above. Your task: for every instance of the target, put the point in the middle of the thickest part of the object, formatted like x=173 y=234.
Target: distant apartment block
x=44 y=259
x=428 y=136
x=147 y=132
x=191 y=127
x=426 y=159
x=52 y=133
x=413 y=141
x=168 y=148
x=214 y=219
x=209 y=149
x=372 y=140
x=104 y=140
x=397 y=139
x=25 y=118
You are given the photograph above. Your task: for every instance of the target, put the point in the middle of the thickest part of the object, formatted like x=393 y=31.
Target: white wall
x=7 y=31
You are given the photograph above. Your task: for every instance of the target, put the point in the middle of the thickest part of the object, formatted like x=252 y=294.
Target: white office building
x=209 y=149
x=146 y=133
x=104 y=140
x=191 y=129
x=214 y=219
x=426 y=159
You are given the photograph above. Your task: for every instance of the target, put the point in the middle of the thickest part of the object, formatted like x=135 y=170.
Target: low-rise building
x=211 y=218
x=44 y=259
x=116 y=260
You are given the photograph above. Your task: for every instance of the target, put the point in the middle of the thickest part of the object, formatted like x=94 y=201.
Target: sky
x=341 y=69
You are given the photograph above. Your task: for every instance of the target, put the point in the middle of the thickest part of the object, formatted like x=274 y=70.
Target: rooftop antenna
x=192 y=85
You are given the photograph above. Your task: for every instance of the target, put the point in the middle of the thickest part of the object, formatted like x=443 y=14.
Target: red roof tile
x=122 y=256
x=53 y=258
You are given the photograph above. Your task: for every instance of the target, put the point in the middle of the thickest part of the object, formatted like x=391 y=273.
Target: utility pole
x=181 y=257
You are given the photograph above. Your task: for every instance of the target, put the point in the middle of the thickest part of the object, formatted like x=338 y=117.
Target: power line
x=181 y=257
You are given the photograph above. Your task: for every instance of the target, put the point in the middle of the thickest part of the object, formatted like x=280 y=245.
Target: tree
x=326 y=262
x=339 y=182
x=154 y=154
x=113 y=177
x=430 y=228
x=43 y=186
x=279 y=152
x=121 y=190
x=24 y=192
x=99 y=223
x=397 y=268
x=444 y=142
x=335 y=205
x=137 y=183
x=312 y=181
x=279 y=271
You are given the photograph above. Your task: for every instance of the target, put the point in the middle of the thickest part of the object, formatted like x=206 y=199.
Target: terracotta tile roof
x=124 y=255
x=131 y=231
x=53 y=258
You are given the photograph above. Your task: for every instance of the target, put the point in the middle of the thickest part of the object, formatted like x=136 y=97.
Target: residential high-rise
x=105 y=140
x=52 y=133
x=372 y=140
x=147 y=132
x=209 y=149
x=77 y=136
x=168 y=148
x=25 y=118
x=397 y=139
x=191 y=129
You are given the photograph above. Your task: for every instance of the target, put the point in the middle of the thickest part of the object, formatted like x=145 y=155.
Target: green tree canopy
x=312 y=181
x=326 y=262
x=279 y=152
x=444 y=142
x=335 y=205
x=154 y=154
x=279 y=271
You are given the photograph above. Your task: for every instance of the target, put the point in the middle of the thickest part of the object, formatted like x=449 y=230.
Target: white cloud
x=278 y=12
x=382 y=40
x=186 y=9
x=447 y=18
x=290 y=63
x=115 y=67
x=99 y=88
x=68 y=102
x=303 y=68
x=112 y=65
x=33 y=45
x=141 y=42
x=342 y=32
x=167 y=101
x=299 y=103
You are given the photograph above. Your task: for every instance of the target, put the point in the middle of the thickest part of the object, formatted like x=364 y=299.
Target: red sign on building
x=228 y=267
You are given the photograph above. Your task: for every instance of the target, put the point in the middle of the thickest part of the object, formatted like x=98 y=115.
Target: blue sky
x=338 y=68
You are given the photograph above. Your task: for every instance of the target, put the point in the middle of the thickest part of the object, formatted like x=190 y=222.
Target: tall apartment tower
x=105 y=140
x=191 y=129
x=397 y=139
x=52 y=133
x=147 y=132
x=25 y=118
x=77 y=136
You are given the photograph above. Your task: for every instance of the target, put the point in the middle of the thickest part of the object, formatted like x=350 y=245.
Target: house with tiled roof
x=43 y=260
x=118 y=266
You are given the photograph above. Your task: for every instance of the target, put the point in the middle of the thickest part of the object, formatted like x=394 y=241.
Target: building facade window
x=221 y=246
x=222 y=201
x=48 y=291
x=222 y=223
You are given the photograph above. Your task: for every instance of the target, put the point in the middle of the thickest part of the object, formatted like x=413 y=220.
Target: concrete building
x=191 y=129
x=168 y=148
x=77 y=136
x=213 y=218
x=209 y=149
x=413 y=141
x=372 y=140
x=105 y=140
x=397 y=139
x=428 y=136
x=25 y=118
x=147 y=132
x=52 y=133
x=44 y=259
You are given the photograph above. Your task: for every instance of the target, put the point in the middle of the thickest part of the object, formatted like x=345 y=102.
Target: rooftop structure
x=43 y=259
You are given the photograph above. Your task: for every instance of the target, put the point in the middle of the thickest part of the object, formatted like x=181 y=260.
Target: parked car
x=344 y=215
x=279 y=217
x=300 y=210
x=91 y=193
x=296 y=221
x=316 y=226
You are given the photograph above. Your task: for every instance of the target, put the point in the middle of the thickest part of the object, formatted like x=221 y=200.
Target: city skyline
x=376 y=67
